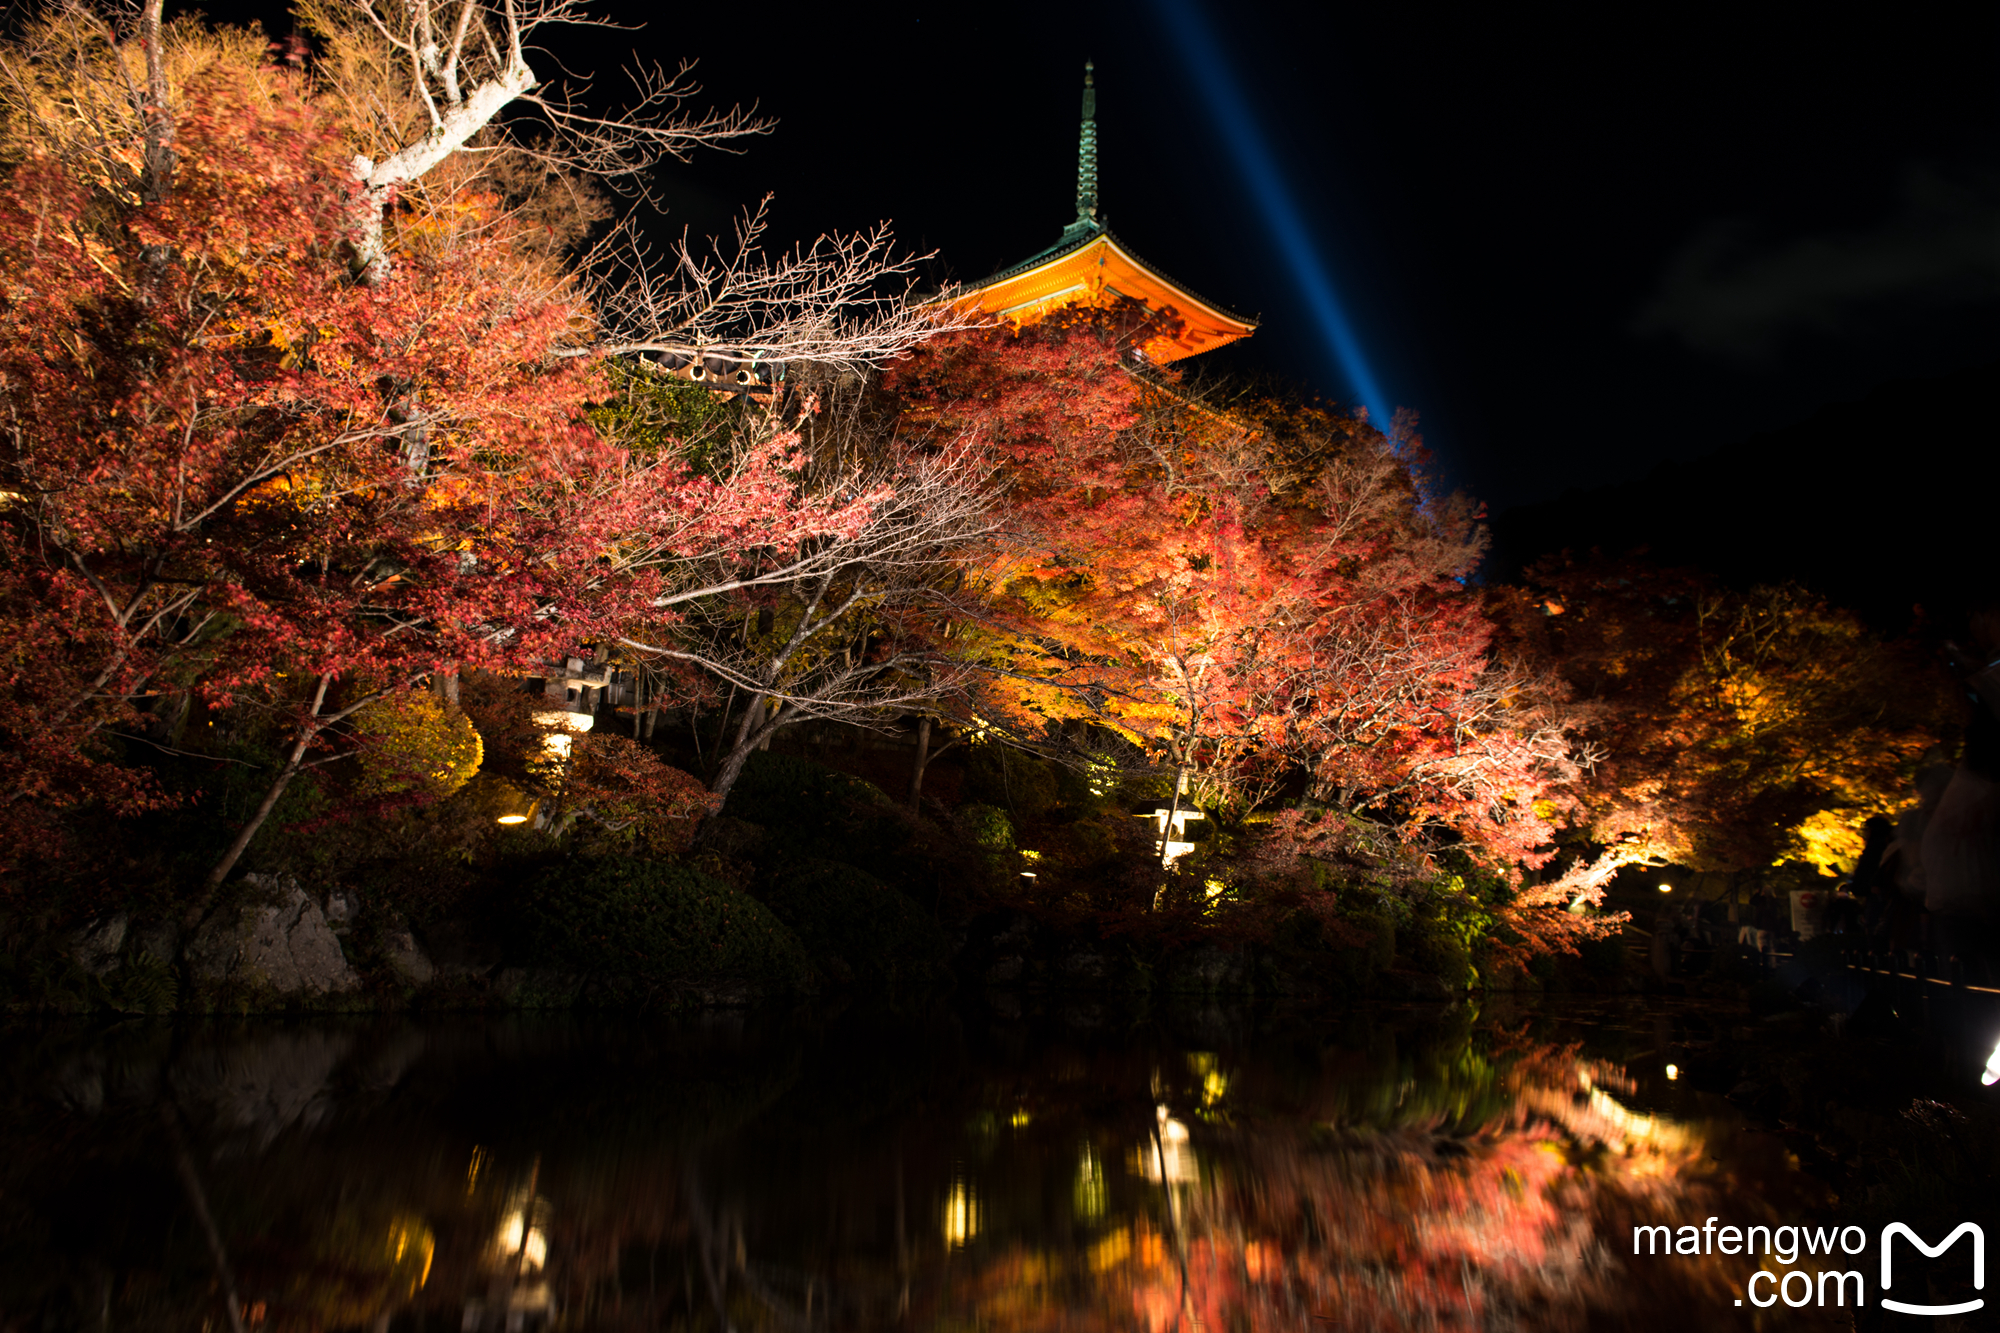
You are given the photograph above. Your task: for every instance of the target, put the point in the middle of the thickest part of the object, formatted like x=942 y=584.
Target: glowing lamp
x=514 y=805
x=1172 y=826
x=1673 y=1072
x=1666 y=888
x=1992 y=1074
x=560 y=724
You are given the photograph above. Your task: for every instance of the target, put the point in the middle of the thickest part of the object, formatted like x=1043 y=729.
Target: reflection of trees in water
x=1417 y=1216
x=595 y=1176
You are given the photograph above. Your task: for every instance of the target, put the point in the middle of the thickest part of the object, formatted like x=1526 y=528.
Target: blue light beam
x=1202 y=52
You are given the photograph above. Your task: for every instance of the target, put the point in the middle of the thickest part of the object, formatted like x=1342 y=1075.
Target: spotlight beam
x=1201 y=49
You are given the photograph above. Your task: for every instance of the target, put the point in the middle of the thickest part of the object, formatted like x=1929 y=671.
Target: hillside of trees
x=417 y=586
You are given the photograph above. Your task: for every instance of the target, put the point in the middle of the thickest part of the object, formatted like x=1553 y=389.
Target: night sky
x=1575 y=248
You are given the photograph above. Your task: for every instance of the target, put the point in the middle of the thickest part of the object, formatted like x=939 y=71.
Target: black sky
x=1576 y=244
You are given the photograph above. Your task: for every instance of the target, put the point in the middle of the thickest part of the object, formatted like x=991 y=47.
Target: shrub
x=633 y=796
x=656 y=922
x=806 y=811
x=855 y=927
x=1017 y=782
x=505 y=716
x=791 y=795
x=1340 y=945
x=413 y=745
x=1439 y=947
x=986 y=826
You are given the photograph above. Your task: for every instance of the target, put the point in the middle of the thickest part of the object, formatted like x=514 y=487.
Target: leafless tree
x=430 y=80
x=842 y=301
x=849 y=627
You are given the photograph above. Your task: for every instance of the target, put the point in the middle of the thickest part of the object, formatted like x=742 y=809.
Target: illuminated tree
x=845 y=626
x=234 y=468
x=411 y=743
x=1255 y=594
x=1737 y=728
x=624 y=789
x=230 y=467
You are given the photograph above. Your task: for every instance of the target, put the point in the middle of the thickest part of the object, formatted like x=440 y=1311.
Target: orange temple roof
x=1090 y=266
x=1095 y=268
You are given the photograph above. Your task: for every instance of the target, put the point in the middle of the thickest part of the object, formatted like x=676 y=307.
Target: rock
x=461 y=952
x=341 y=909
x=97 y=945
x=1202 y=969
x=1085 y=969
x=405 y=957
x=285 y=945
x=1005 y=970
x=158 y=944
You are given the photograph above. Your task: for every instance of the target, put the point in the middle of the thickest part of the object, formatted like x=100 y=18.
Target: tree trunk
x=922 y=761
x=1167 y=832
x=747 y=736
x=1173 y=813
x=218 y=1254
x=307 y=730
x=158 y=181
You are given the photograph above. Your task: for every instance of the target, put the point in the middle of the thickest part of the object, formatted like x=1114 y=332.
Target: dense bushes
x=655 y=923
x=807 y=810
x=856 y=928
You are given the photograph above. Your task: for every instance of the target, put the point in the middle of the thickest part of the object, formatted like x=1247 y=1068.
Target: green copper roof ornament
x=1086 y=160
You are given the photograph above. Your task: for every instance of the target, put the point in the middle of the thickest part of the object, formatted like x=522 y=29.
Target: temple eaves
x=1088 y=265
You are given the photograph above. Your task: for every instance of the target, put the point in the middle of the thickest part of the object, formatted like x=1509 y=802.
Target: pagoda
x=1088 y=265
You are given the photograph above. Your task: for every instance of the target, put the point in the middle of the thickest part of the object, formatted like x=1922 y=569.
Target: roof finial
x=1086 y=156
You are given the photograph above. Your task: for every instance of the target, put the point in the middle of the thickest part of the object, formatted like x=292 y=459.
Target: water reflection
x=1420 y=1170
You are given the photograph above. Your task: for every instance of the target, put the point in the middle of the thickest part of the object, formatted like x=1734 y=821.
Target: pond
x=964 y=1166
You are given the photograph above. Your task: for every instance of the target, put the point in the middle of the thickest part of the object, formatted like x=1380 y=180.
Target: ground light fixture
x=1666 y=888
x=1673 y=1072
x=1992 y=1074
x=515 y=806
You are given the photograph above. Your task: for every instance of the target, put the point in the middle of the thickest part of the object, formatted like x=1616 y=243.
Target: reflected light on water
x=1093 y=1195
x=1435 y=1176
x=412 y=1245
x=1214 y=1082
x=961 y=1214
x=532 y=1248
x=1166 y=1157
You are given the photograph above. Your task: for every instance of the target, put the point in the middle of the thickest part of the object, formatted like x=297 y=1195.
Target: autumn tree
x=1257 y=593
x=847 y=625
x=231 y=466
x=1738 y=728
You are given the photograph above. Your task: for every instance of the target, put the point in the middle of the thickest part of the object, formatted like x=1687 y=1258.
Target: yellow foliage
x=1830 y=839
x=411 y=743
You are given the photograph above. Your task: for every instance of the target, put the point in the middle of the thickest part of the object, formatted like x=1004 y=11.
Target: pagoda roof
x=1091 y=266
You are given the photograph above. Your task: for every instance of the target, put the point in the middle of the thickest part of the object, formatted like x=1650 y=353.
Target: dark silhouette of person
x=1960 y=847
